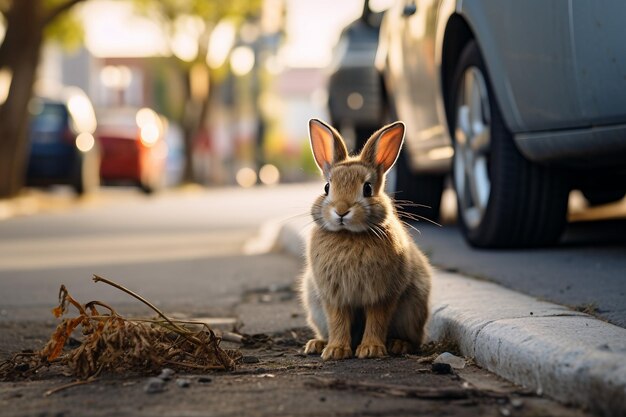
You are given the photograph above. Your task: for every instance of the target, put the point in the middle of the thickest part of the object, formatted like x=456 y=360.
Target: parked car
x=355 y=98
x=63 y=149
x=521 y=101
x=133 y=147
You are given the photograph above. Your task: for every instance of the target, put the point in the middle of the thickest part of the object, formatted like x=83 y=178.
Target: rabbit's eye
x=367 y=189
x=326 y=188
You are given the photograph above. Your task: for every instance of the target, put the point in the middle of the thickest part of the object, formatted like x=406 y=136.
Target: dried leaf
x=113 y=343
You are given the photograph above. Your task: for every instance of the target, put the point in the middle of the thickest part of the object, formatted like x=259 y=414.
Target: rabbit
x=366 y=285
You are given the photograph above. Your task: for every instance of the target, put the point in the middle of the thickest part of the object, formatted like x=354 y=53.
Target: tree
x=169 y=13
x=26 y=23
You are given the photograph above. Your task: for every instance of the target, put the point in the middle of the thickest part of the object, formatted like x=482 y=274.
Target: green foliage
x=66 y=29
x=209 y=11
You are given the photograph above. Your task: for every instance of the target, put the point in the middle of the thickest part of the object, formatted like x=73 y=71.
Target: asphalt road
x=585 y=271
x=186 y=252
x=173 y=248
x=124 y=229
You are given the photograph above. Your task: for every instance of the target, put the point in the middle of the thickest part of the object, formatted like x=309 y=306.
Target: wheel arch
x=456 y=36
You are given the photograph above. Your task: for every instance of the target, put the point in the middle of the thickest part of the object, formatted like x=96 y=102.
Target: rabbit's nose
x=345 y=213
x=342 y=208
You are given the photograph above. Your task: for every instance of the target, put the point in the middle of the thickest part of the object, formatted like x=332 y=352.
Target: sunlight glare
x=221 y=41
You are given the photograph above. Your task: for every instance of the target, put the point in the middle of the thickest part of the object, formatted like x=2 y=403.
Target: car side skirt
x=598 y=146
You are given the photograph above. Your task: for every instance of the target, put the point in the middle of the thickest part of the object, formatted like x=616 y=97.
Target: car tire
x=503 y=199
x=417 y=196
x=599 y=197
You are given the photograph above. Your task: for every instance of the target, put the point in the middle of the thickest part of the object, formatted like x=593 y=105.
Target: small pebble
x=250 y=359
x=154 y=385
x=453 y=360
x=183 y=382
x=441 y=368
x=166 y=374
x=22 y=367
x=516 y=403
x=505 y=412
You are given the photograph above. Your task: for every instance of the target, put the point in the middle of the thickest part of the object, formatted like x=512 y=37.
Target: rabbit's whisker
x=411 y=226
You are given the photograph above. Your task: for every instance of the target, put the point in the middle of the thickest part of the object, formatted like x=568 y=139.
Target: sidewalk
x=548 y=348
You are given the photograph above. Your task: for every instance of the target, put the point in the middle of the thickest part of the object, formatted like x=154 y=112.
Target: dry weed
x=117 y=344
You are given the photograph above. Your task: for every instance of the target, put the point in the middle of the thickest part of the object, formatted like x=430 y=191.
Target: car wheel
x=503 y=199
x=599 y=197
x=417 y=194
x=87 y=174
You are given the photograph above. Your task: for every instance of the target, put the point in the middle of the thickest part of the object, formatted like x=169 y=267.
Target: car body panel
x=125 y=158
x=554 y=65
x=54 y=157
x=121 y=157
x=414 y=96
x=600 y=56
x=354 y=88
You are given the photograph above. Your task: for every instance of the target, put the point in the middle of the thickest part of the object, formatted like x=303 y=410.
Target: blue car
x=63 y=149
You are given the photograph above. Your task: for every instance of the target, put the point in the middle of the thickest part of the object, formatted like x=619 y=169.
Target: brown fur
x=369 y=263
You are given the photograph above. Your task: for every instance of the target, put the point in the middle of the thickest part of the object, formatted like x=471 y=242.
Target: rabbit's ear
x=328 y=147
x=383 y=147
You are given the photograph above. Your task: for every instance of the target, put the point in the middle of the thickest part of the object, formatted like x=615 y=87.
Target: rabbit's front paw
x=336 y=352
x=371 y=350
x=398 y=347
x=314 y=346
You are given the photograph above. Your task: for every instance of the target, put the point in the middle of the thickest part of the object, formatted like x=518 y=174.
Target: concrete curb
x=548 y=348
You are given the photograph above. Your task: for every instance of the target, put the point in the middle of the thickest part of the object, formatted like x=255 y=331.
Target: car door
x=599 y=49
x=419 y=110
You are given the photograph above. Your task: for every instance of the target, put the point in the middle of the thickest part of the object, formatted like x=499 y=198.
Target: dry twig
x=116 y=344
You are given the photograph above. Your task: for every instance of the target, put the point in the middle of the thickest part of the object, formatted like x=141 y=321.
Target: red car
x=133 y=147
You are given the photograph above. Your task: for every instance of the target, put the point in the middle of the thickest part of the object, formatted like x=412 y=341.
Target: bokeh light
x=246 y=177
x=5 y=84
x=83 y=115
x=146 y=116
x=149 y=134
x=85 y=142
x=220 y=43
x=269 y=174
x=242 y=60
x=116 y=76
x=185 y=46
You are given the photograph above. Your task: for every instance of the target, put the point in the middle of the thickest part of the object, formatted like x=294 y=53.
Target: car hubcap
x=472 y=146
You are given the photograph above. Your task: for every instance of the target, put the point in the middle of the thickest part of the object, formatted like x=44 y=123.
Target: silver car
x=521 y=101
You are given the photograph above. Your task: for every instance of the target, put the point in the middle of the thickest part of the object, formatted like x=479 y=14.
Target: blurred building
x=268 y=78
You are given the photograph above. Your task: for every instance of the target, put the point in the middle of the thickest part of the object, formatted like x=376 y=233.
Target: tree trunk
x=194 y=121
x=19 y=53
